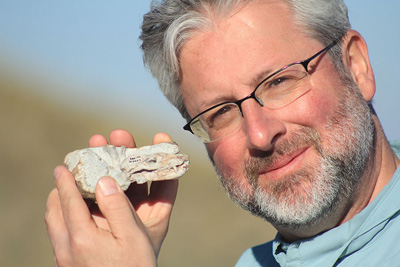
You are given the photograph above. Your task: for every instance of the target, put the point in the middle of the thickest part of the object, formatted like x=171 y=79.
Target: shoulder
x=396 y=146
x=260 y=255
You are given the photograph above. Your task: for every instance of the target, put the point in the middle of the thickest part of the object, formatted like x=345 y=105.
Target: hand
x=154 y=209
x=120 y=236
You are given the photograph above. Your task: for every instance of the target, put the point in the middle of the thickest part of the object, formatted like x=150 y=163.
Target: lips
x=286 y=162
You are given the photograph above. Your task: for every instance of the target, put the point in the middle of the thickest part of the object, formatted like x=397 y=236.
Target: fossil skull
x=125 y=165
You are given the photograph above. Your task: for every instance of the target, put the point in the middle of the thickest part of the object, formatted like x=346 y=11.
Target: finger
x=164 y=191
x=161 y=138
x=164 y=194
x=74 y=209
x=97 y=140
x=122 y=138
x=116 y=208
x=137 y=193
x=97 y=217
x=56 y=229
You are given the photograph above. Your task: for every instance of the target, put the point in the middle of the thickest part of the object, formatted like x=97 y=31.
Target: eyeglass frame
x=239 y=102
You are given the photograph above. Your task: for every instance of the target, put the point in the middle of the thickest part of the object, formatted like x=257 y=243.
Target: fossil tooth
x=125 y=165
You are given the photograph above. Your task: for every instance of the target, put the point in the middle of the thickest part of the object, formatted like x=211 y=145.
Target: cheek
x=314 y=109
x=228 y=155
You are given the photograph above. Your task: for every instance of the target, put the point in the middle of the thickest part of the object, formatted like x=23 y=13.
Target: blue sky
x=90 y=49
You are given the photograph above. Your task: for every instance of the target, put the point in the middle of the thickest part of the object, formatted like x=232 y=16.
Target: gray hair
x=170 y=23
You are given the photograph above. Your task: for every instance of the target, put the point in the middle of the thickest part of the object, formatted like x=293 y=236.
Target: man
x=280 y=93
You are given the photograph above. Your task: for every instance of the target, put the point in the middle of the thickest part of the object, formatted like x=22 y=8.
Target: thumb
x=116 y=208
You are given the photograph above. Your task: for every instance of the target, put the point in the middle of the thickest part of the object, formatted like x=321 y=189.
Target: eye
x=220 y=112
x=282 y=81
x=221 y=116
x=278 y=81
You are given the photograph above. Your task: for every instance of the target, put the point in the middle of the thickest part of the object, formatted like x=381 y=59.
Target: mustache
x=262 y=160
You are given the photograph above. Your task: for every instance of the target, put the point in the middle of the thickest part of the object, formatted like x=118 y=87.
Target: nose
x=262 y=126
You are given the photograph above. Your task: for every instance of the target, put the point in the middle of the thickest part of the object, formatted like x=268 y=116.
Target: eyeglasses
x=276 y=91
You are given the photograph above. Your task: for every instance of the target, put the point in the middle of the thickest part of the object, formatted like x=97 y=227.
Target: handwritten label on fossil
x=135 y=159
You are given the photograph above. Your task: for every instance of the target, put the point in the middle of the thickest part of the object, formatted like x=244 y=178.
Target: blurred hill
x=38 y=131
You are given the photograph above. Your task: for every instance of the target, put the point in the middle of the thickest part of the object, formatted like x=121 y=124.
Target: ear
x=356 y=59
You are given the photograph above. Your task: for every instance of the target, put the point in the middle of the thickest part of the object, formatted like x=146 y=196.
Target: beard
x=300 y=200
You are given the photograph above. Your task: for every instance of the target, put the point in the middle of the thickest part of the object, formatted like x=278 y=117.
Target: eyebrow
x=254 y=82
x=214 y=102
x=260 y=77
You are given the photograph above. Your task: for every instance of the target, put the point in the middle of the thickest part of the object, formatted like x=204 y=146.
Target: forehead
x=221 y=63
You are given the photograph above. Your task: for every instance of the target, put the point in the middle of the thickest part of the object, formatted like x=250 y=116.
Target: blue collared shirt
x=371 y=238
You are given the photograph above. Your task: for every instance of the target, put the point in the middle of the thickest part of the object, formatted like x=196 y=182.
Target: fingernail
x=108 y=186
x=57 y=172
